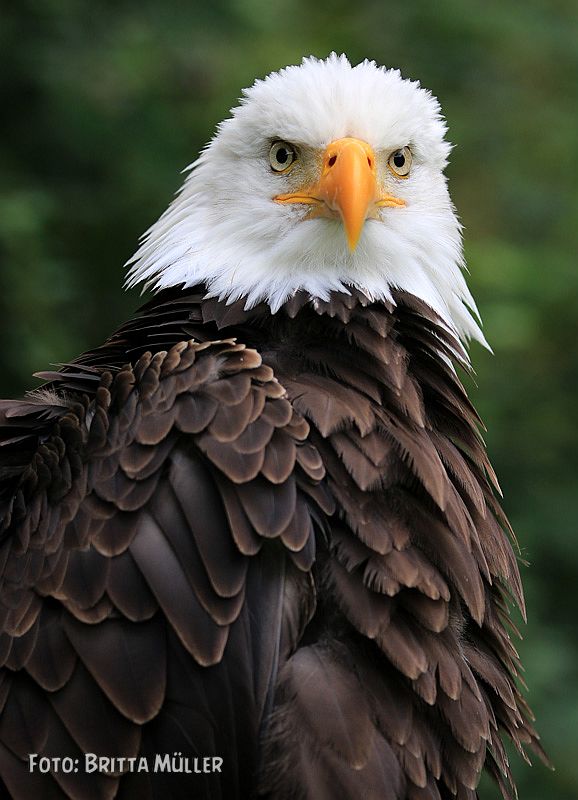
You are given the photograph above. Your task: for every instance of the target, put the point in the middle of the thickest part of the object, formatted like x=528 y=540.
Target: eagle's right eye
x=281 y=156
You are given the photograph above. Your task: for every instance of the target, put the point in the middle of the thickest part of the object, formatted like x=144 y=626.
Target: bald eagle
x=251 y=545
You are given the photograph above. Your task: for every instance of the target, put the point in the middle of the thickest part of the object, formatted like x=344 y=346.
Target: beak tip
x=352 y=240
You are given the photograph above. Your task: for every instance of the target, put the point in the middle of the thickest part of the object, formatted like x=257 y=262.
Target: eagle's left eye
x=400 y=162
x=281 y=156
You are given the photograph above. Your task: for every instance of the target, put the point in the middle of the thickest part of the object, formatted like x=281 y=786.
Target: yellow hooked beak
x=347 y=188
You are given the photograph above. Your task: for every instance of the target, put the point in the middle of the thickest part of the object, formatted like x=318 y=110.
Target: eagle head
x=325 y=176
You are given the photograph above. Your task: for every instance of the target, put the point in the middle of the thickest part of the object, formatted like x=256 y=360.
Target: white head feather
x=224 y=229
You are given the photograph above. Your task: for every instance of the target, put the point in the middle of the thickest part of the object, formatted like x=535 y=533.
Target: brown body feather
x=271 y=538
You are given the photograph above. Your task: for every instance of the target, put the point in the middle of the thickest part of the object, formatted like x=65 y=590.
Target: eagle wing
x=157 y=535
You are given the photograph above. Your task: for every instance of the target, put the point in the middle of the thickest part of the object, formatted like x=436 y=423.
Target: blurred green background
x=104 y=103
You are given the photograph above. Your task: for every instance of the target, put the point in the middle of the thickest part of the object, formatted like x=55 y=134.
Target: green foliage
x=103 y=104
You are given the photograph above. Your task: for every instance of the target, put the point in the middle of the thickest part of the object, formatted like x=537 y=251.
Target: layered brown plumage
x=271 y=538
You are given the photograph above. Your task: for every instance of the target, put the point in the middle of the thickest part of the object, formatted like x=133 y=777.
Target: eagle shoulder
x=158 y=523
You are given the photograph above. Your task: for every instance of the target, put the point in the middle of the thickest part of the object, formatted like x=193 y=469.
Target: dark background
x=104 y=103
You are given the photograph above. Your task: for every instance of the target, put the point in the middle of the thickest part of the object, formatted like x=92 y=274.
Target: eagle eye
x=400 y=162
x=281 y=156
